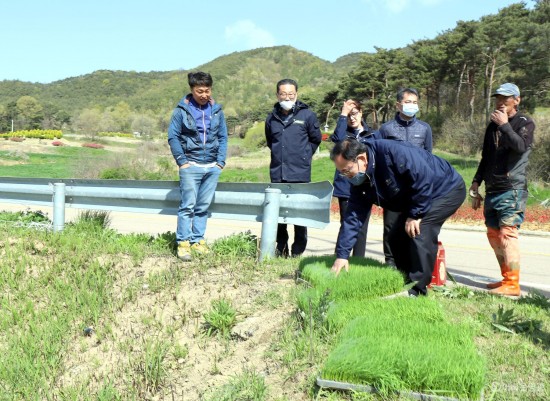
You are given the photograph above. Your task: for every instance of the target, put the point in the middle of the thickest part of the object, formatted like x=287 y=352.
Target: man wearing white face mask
x=292 y=134
x=404 y=127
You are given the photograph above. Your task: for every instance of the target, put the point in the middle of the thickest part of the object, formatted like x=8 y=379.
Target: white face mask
x=410 y=109
x=287 y=104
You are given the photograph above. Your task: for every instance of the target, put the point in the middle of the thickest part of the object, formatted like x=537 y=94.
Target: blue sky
x=45 y=41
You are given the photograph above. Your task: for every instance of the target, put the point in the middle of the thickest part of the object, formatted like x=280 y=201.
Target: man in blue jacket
x=396 y=175
x=404 y=127
x=198 y=140
x=292 y=134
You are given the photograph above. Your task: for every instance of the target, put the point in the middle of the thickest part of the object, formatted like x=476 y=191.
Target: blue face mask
x=358 y=178
x=410 y=109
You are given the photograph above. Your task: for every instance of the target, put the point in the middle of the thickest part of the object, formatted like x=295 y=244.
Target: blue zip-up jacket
x=341 y=184
x=400 y=177
x=414 y=131
x=292 y=144
x=188 y=143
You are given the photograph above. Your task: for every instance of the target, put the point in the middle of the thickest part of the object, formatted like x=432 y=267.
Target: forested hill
x=243 y=80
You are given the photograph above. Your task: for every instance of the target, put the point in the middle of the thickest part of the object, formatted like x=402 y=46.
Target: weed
x=150 y=366
x=95 y=218
x=221 y=318
x=456 y=291
x=249 y=386
x=536 y=298
x=504 y=320
x=241 y=245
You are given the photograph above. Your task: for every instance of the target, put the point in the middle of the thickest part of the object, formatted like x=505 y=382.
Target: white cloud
x=246 y=33
x=397 y=6
x=430 y=2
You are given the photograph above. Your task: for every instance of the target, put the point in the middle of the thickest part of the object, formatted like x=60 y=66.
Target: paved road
x=468 y=254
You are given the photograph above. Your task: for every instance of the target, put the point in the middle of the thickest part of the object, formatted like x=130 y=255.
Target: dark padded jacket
x=400 y=177
x=505 y=154
x=292 y=144
x=414 y=131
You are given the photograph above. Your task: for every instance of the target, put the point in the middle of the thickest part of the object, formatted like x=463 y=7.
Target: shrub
x=58 y=143
x=35 y=133
x=17 y=139
x=461 y=136
x=93 y=145
x=255 y=137
x=539 y=160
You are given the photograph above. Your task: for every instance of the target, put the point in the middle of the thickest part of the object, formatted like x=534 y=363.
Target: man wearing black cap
x=506 y=148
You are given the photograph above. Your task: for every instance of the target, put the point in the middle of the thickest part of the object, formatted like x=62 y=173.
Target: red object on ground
x=439 y=274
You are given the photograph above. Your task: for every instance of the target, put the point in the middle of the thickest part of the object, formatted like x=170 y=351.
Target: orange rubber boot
x=510 y=285
x=510 y=266
x=495 y=240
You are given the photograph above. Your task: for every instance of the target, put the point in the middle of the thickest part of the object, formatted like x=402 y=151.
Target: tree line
x=455 y=73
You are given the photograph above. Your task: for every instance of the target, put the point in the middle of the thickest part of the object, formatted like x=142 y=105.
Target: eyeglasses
x=354 y=115
x=287 y=95
x=346 y=171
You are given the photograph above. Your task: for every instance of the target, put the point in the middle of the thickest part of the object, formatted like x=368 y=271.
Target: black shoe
x=281 y=252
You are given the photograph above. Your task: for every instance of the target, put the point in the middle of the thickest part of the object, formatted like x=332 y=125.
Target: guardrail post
x=269 y=222
x=58 y=206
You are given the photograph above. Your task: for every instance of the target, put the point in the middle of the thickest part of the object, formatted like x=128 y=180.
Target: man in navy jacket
x=293 y=135
x=404 y=127
x=400 y=177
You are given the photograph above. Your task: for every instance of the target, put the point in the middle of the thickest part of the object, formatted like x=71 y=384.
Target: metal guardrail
x=271 y=203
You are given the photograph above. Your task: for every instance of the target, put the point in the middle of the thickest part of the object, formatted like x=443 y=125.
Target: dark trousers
x=300 y=240
x=415 y=257
x=390 y=220
x=360 y=246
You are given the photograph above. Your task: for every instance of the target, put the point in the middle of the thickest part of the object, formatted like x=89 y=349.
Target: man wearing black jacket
x=506 y=148
x=293 y=135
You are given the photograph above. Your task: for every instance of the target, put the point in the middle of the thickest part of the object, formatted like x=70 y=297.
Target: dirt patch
x=147 y=313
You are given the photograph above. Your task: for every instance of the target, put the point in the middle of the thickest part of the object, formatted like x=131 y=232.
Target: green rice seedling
x=341 y=313
x=361 y=282
x=405 y=353
x=249 y=386
x=241 y=245
x=221 y=318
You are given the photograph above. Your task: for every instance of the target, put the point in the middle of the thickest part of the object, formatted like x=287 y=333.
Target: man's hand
x=339 y=264
x=476 y=197
x=499 y=117
x=412 y=227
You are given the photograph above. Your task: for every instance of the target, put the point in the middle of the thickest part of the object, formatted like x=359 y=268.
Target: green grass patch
x=366 y=278
x=396 y=350
x=341 y=313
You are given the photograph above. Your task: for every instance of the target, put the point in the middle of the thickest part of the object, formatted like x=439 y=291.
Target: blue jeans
x=505 y=208
x=197 y=187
